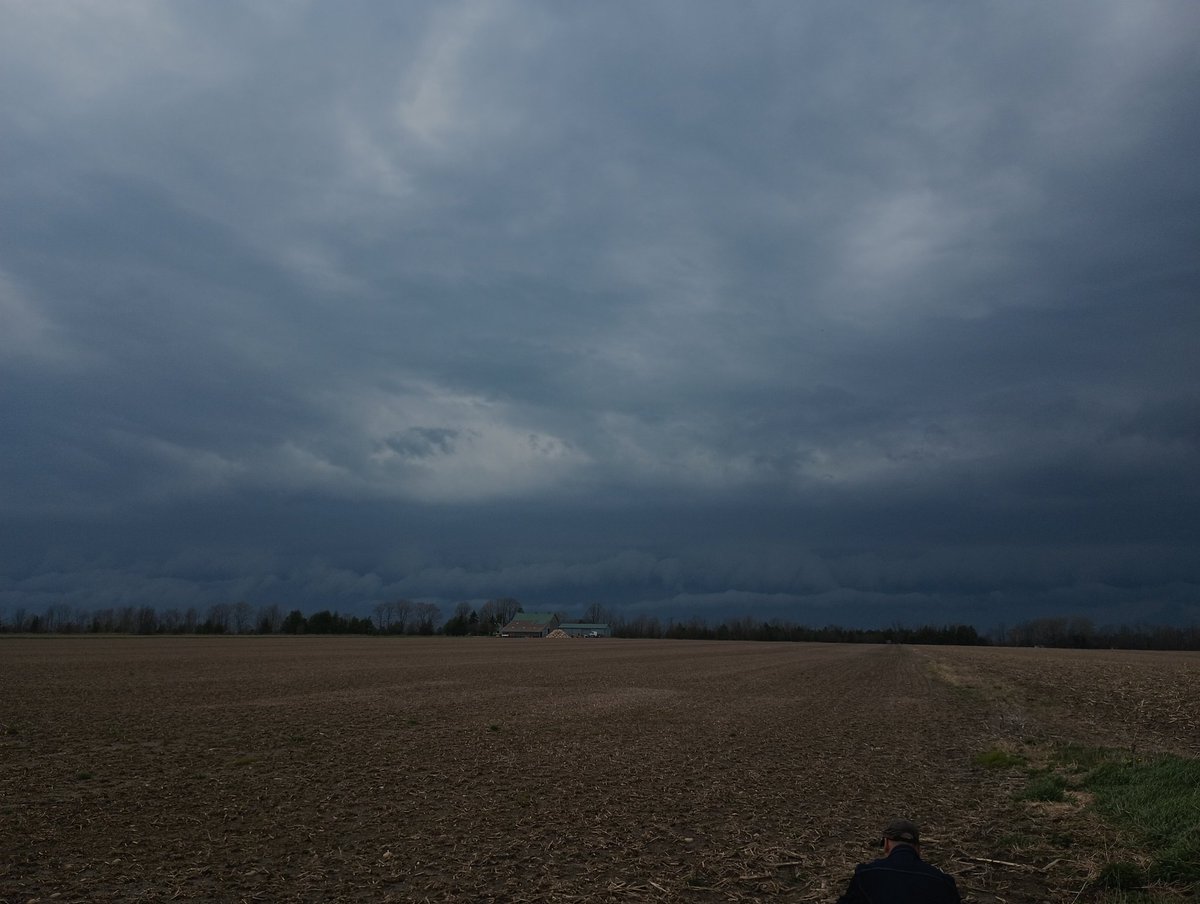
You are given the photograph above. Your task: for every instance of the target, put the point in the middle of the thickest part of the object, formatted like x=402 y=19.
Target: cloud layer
x=795 y=310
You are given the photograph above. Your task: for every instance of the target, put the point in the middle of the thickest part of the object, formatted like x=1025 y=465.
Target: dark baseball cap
x=902 y=830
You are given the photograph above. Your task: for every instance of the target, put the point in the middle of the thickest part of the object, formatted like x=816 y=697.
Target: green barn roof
x=535 y=618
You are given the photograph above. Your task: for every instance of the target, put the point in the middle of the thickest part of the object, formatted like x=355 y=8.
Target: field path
x=374 y=769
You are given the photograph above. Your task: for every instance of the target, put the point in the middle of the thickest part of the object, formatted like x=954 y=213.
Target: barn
x=530 y=624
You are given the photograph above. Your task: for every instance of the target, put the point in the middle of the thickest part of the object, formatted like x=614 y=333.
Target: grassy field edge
x=1151 y=800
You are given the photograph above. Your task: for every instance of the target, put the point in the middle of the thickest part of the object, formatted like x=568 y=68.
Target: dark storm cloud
x=672 y=305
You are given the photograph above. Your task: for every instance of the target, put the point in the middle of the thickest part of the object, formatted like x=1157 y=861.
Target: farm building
x=530 y=624
x=586 y=629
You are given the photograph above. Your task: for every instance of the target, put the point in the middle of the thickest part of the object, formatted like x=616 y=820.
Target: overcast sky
x=829 y=312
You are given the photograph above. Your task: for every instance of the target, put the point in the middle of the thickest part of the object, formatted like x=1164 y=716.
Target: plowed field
x=376 y=769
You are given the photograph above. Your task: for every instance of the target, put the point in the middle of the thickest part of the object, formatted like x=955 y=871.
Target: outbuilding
x=587 y=629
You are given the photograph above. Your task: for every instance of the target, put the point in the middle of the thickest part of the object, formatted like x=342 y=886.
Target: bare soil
x=437 y=769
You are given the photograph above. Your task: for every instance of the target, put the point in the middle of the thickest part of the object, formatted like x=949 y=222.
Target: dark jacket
x=901 y=877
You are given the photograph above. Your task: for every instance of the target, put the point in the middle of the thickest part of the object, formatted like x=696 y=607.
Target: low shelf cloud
x=688 y=309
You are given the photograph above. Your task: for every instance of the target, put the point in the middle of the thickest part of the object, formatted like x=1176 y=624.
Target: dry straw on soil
x=375 y=769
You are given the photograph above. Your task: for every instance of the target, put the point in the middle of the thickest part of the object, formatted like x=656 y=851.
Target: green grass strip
x=1045 y=786
x=998 y=758
x=1159 y=800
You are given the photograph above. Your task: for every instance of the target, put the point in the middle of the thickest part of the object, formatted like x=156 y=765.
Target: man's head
x=900 y=831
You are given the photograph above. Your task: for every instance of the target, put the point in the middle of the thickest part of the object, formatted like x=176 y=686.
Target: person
x=900 y=876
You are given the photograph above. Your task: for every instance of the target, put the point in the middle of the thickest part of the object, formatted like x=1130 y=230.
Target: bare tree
x=426 y=616
x=504 y=609
x=1081 y=633
x=496 y=613
x=596 y=614
x=402 y=612
x=58 y=618
x=488 y=617
x=220 y=616
x=243 y=617
x=147 y=620
x=269 y=618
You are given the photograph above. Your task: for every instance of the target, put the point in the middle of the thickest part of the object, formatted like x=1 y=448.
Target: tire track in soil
x=917 y=741
x=356 y=769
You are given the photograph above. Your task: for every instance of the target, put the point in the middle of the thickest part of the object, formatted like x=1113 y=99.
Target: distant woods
x=393 y=617
x=407 y=617
x=1073 y=633
x=1080 y=633
x=398 y=617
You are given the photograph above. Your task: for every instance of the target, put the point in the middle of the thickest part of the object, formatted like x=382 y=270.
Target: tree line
x=403 y=616
x=748 y=628
x=408 y=617
x=1080 y=633
x=400 y=616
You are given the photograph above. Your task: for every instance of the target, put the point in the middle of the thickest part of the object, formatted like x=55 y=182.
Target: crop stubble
x=327 y=769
